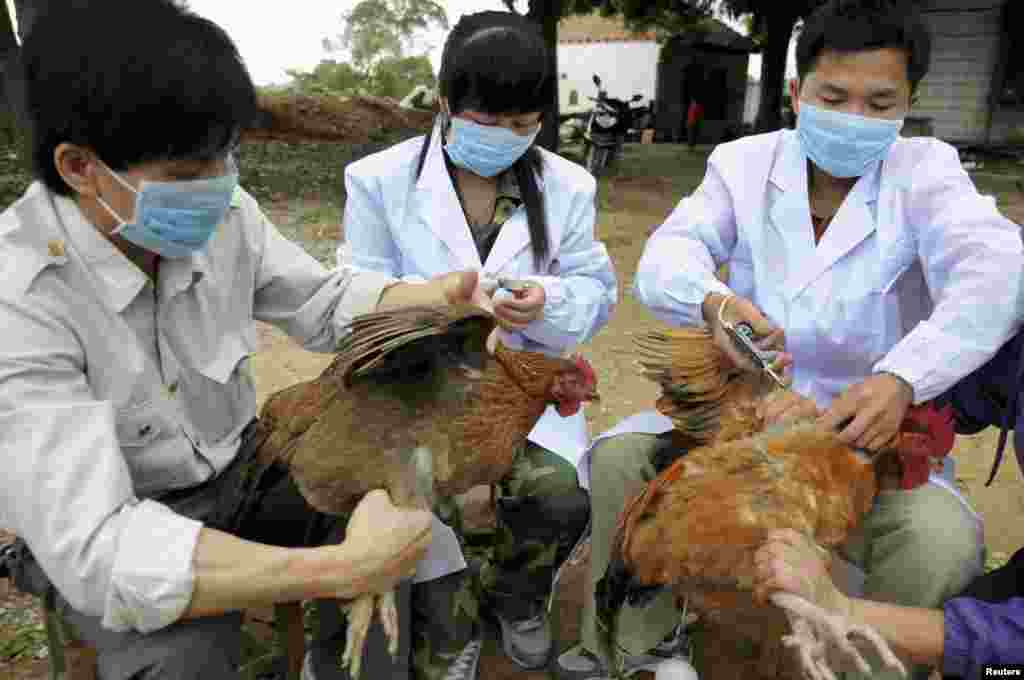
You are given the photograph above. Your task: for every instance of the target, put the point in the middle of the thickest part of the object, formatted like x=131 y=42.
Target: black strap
x=1009 y=413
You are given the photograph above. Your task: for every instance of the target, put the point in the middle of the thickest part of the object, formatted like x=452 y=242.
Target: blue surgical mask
x=486 y=150
x=843 y=144
x=176 y=219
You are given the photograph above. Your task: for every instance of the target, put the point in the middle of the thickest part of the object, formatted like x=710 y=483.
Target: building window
x=574 y=98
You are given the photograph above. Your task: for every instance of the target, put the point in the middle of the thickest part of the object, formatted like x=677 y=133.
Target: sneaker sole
x=506 y=644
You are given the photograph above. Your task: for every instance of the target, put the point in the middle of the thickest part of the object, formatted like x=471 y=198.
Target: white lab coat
x=415 y=229
x=918 y=274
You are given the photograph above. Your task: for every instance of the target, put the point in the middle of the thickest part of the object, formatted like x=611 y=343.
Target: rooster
x=697 y=526
x=419 y=401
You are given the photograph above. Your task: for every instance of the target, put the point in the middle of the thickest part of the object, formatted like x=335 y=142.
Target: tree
x=376 y=38
x=391 y=76
x=328 y=77
x=547 y=13
x=378 y=29
x=771 y=24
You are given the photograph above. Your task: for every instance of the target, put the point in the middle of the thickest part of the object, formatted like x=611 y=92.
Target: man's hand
x=873 y=411
x=383 y=545
x=790 y=562
x=448 y=289
x=772 y=338
x=526 y=306
x=783 y=406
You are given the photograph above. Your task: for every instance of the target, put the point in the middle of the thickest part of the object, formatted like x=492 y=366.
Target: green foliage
x=376 y=29
x=22 y=633
x=670 y=16
x=377 y=37
x=328 y=78
x=396 y=77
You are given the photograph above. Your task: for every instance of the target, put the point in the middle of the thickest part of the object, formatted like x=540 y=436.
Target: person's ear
x=78 y=167
x=794 y=94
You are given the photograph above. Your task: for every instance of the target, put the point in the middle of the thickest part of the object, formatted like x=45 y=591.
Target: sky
x=275 y=36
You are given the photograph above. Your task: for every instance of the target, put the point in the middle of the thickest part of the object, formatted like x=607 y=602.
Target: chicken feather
x=725 y=485
x=413 y=403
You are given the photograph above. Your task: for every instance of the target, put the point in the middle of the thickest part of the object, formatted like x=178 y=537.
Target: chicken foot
x=824 y=641
x=360 y=616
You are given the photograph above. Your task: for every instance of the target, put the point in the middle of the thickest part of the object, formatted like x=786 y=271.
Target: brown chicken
x=415 y=404
x=697 y=526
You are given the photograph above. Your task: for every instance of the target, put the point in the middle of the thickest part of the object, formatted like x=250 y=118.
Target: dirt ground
x=631 y=209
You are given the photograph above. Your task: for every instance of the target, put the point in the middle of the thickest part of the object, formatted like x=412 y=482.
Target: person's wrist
x=334 y=571
x=906 y=389
x=709 y=308
x=403 y=294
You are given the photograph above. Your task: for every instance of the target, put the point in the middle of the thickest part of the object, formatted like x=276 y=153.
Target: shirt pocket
x=221 y=394
x=138 y=425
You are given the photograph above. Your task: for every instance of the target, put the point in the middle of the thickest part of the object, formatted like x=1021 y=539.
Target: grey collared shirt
x=113 y=391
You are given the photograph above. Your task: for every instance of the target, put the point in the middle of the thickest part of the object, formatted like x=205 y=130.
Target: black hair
x=134 y=81
x=497 y=62
x=858 y=25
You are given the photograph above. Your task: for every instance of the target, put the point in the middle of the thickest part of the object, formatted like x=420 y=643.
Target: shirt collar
x=120 y=280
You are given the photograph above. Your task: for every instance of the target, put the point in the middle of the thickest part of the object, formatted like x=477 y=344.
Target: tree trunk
x=779 y=24
x=8 y=50
x=546 y=13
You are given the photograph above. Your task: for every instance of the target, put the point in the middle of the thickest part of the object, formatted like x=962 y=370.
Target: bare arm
x=917 y=634
x=232 y=574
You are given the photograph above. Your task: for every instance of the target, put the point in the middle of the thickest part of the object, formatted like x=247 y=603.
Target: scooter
x=607 y=125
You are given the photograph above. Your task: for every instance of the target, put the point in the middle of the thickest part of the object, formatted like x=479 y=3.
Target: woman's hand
x=382 y=546
x=771 y=337
x=790 y=562
x=526 y=306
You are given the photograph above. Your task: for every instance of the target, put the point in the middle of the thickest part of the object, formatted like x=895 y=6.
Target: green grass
x=22 y=633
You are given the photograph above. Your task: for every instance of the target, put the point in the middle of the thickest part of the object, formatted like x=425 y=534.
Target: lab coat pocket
x=222 y=397
x=868 y=310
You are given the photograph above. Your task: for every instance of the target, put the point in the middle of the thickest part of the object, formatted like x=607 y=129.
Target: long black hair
x=497 y=62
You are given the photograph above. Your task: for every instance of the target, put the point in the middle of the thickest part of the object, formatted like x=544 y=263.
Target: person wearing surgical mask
x=134 y=268
x=477 y=193
x=873 y=267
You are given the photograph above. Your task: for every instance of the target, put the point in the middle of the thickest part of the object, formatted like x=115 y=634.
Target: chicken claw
x=360 y=614
x=388 y=612
x=824 y=641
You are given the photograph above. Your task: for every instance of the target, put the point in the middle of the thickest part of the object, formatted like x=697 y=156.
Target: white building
x=626 y=62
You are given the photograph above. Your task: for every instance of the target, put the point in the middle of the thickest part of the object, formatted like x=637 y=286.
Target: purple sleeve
x=979 y=633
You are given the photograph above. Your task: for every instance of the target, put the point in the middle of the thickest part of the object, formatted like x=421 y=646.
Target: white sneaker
x=675 y=669
x=465 y=666
x=670 y=658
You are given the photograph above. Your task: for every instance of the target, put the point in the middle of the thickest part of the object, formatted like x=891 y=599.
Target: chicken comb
x=584 y=367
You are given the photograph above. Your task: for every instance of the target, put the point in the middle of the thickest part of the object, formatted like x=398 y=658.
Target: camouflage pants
x=541 y=512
